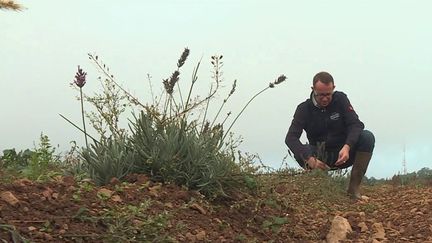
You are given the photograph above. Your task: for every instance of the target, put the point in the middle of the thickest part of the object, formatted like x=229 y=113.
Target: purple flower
x=80 y=77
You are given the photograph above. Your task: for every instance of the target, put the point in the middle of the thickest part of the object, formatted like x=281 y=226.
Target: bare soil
x=286 y=210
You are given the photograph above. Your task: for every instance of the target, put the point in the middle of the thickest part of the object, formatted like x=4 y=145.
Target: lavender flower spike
x=80 y=77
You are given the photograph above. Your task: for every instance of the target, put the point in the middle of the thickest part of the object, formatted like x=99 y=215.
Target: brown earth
x=287 y=209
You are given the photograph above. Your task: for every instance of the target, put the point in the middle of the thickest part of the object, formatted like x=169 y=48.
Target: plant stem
x=223 y=138
x=217 y=114
x=223 y=103
x=82 y=114
x=223 y=122
x=111 y=78
x=216 y=76
x=206 y=109
x=194 y=79
x=180 y=94
x=77 y=127
x=151 y=89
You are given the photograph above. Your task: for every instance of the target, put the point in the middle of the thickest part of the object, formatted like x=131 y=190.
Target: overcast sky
x=379 y=53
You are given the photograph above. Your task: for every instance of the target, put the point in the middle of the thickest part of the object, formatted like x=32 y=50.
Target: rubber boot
x=358 y=170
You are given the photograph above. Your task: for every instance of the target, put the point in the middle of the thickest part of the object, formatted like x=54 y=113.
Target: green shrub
x=39 y=163
x=110 y=158
x=12 y=159
x=177 y=152
x=44 y=163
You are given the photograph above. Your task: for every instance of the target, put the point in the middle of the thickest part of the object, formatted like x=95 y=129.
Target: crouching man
x=334 y=130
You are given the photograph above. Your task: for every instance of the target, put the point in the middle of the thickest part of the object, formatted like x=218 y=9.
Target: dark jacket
x=336 y=125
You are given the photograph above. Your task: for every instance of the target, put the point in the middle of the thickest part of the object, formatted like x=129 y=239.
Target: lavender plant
x=80 y=81
x=167 y=141
x=111 y=157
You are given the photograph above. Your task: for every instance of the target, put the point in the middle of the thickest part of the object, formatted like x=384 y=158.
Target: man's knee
x=366 y=142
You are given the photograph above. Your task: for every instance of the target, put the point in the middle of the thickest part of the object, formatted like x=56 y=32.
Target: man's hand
x=343 y=155
x=315 y=163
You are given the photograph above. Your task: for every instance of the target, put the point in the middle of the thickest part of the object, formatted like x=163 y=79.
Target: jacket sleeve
x=292 y=139
x=352 y=121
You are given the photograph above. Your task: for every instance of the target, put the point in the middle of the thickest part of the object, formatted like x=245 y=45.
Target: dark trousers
x=365 y=143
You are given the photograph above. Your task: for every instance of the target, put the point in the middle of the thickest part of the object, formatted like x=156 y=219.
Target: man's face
x=323 y=93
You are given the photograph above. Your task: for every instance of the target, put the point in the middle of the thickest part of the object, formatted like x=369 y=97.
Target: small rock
x=114 y=181
x=32 y=228
x=68 y=180
x=154 y=190
x=200 y=235
x=9 y=197
x=379 y=231
x=182 y=195
x=339 y=229
x=47 y=236
x=218 y=220
x=47 y=193
x=23 y=182
x=190 y=236
x=180 y=237
x=55 y=195
x=142 y=179
x=222 y=239
x=197 y=207
x=116 y=198
x=350 y=214
x=71 y=189
x=105 y=192
x=168 y=205
x=363 y=227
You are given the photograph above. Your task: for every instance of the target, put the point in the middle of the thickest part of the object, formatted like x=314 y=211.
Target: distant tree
x=10 y=5
x=396 y=180
x=424 y=173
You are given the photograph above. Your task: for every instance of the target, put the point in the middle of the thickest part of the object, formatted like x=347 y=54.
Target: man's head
x=323 y=87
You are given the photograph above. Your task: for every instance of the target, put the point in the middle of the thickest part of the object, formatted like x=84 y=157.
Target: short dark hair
x=323 y=77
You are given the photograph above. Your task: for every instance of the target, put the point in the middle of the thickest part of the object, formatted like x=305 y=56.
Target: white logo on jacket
x=335 y=116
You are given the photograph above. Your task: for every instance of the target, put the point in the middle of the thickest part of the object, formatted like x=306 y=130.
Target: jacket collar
x=314 y=102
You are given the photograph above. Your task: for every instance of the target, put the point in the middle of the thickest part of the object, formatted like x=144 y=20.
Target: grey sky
x=379 y=53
